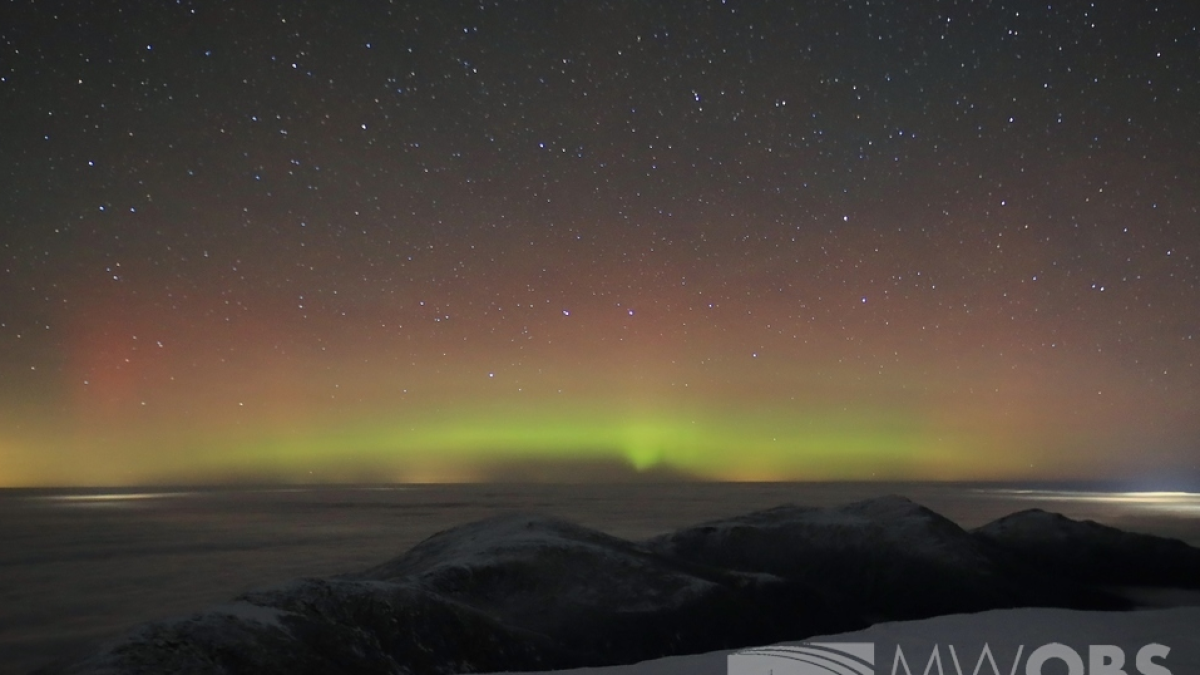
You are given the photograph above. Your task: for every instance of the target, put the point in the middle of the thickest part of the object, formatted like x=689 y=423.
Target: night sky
x=575 y=240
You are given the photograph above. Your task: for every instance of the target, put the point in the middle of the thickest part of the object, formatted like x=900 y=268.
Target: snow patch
x=1003 y=630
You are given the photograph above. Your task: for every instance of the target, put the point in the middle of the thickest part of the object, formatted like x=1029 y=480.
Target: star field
x=724 y=239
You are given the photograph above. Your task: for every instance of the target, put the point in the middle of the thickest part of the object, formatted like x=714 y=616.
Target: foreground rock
x=521 y=593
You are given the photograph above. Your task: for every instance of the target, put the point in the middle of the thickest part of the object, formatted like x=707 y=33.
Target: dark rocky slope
x=329 y=627
x=1093 y=553
x=887 y=558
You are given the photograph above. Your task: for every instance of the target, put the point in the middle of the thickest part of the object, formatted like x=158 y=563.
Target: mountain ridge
x=533 y=592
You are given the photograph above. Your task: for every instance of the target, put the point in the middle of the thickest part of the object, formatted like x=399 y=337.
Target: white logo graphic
x=858 y=658
x=810 y=658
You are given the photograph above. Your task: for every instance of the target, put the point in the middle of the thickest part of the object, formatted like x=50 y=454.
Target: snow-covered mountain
x=521 y=593
x=602 y=598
